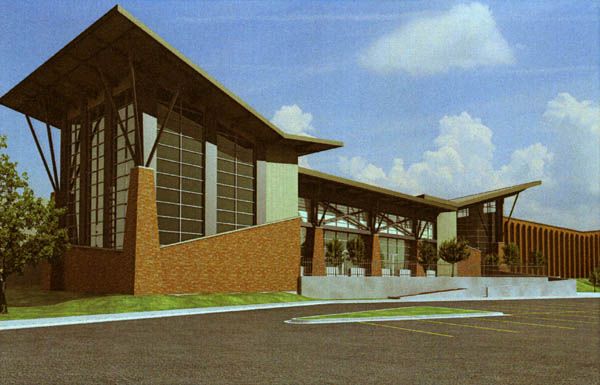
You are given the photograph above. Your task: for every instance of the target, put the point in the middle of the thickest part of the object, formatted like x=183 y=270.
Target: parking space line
x=527 y=323
x=554 y=319
x=567 y=314
x=471 y=326
x=406 y=329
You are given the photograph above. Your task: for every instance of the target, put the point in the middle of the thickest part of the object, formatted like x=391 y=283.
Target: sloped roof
x=440 y=205
x=72 y=72
x=493 y=194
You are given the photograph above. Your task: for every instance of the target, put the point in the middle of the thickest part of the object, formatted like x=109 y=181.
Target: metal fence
x=413 y=269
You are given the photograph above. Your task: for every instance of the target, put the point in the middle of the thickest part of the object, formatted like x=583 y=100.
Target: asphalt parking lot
x=540 y=342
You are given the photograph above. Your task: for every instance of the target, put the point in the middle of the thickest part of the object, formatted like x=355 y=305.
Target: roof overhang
x=68 y=79
x=369 y=194
x=487 y=196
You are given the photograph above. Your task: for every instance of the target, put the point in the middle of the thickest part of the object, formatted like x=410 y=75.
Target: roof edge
x=447 y=205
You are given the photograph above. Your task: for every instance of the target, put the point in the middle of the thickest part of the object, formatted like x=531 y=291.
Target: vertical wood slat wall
x=569 y=253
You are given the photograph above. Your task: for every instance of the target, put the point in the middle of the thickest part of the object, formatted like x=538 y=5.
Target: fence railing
x=514 y=271
x=413 y=269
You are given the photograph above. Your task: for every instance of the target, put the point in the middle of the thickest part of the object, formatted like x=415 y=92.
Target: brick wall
x=259 y=258
x=95 y=270
x=470 y=267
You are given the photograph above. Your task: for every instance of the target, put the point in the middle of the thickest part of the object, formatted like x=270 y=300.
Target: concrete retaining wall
x=383 y=287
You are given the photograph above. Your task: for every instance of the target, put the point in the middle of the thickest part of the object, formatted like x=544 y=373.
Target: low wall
x=550 y=289
x=95 y=270
x=258 y=258
x=383 y=287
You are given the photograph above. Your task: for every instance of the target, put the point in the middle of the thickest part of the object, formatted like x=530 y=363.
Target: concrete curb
x=300 y=321
x=90 y=319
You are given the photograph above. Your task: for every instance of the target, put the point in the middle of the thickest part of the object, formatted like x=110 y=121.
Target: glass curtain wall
x=180 y=176
x=97 y=183
x=123 y=163
x=235 y=183
x=73 y=196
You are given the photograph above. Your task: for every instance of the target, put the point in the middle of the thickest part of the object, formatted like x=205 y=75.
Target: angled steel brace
x=162 y=127
x=512 y=208
x=51 y=145
x=39 y=148
x=116 y=112
x=138 y=127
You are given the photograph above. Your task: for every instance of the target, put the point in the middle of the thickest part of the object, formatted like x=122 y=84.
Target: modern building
x=171 y=183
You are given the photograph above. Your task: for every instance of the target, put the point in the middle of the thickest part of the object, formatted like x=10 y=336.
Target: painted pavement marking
x=554 y=319
x=406 y=329
x=531 y=324
x=472 y=326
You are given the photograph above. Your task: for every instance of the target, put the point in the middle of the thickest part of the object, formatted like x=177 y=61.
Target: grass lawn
x=35 y=303
x=583 y=285
x=399 y=311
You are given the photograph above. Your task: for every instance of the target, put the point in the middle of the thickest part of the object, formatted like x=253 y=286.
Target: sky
x=445 y=98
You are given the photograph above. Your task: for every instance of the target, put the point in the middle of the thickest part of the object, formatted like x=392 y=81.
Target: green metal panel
x=281 y=191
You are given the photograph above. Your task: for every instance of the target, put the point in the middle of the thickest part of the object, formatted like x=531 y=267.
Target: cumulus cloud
x=461 y=163
x=361 y=169
x=464 y=37
x=576 y=126
x=293 y=120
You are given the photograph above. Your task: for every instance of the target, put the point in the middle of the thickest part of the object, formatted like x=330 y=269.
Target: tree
x=491 y=262
x=539 y=260
x=511 y=255
x=595 y=278
x=334 y=255
x=29 y=227
x=453 y=251
x=357 y=252
x=427 y=255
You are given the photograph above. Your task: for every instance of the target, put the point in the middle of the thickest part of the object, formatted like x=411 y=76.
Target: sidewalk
x=98 y=318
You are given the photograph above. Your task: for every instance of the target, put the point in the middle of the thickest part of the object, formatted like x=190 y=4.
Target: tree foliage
x=357 y=252
x=595 y=278
x=511 y=255
x=427 y=256
x=453 y=251
x=334 y=254
x=29 y=226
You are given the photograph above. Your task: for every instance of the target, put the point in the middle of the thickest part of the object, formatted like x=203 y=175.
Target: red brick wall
x=375 y=256
x=95 y=270
x=470 y=267
x=318 y=256
x=259 y=258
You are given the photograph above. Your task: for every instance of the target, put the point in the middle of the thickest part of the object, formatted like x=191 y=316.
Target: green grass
x=584 y=285
x=61 y=304
x=399 y=311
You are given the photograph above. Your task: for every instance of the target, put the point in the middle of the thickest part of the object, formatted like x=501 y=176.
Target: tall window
x=74 y=195
x=97 y=183
x=180 y=177
x=235 y=184
x=123 y=163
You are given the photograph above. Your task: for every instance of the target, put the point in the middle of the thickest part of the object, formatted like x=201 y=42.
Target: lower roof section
x=326 y=187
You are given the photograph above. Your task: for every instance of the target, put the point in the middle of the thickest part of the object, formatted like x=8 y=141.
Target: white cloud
x=464 y=37
x=361 y=169
x=293 y=120
x=303 y=162
x=576 y=126
x=461 y=163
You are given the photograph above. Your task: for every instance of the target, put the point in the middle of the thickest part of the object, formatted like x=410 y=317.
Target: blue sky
x=446 y=98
